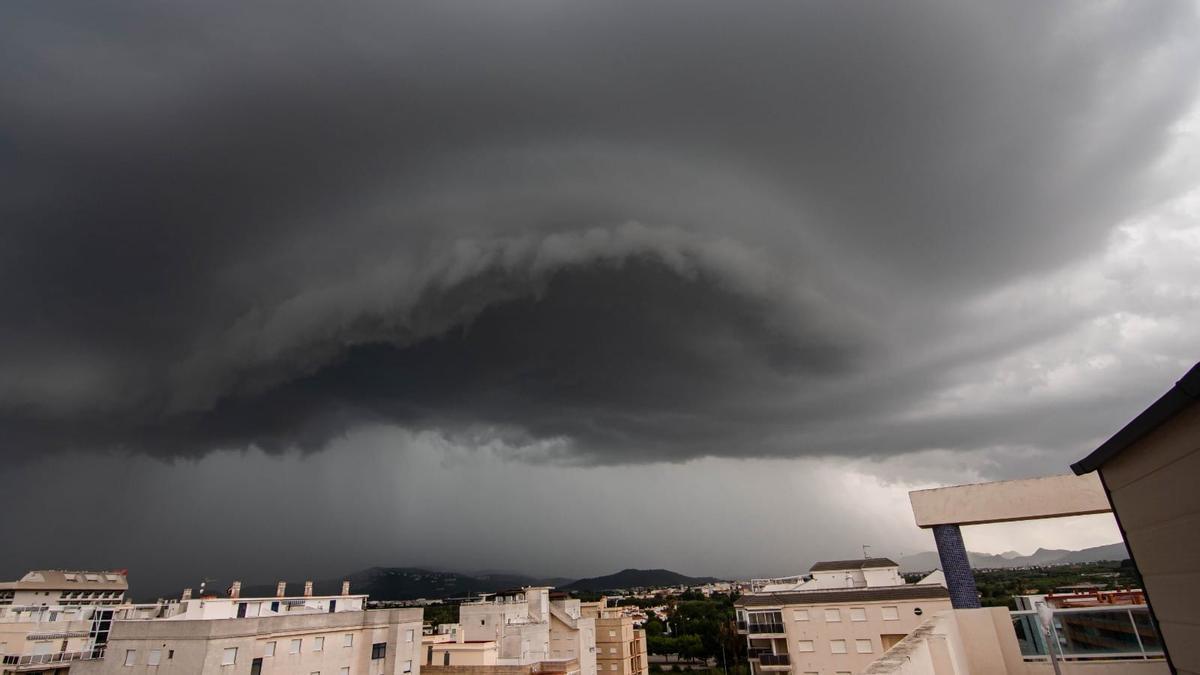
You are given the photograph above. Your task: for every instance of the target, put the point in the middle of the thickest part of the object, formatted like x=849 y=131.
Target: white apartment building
x=528 y=626
x=309 y=634
x=836 y=620
x=65 y=587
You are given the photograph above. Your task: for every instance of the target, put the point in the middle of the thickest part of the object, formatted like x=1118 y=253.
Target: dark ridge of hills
x=633 y=578
x=923 y=562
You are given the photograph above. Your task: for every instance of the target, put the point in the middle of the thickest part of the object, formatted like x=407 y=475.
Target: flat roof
x=862 y=563
x=878 y=594
x=1185 y=392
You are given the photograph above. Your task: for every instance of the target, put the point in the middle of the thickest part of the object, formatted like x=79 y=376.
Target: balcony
x=1111 y=639
x=770 y=628
x=36 y=661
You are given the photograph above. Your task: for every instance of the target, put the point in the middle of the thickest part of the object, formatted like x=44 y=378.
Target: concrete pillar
x=345 y=588
x=308 y=589
x=280 y=589
x=187 y=594
x=235 y=590
x=953 y=555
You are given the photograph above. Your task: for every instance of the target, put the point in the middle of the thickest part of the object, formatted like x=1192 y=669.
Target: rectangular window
x=612 y=650
x=154 y=658
x=891 y=614
x=379 y=650
x=318 y=643
x=130 y=657
x=612 y=633
x=837 y=646
x=294 y=647
x=858 y=613
x=862 y=646
x=833 y=615
x=408 y=666
x=229 y=656
x=800 y=615
x=348 y=640
x=408 y=635
x=612 y=666
x=804 y=646
x=269 y=650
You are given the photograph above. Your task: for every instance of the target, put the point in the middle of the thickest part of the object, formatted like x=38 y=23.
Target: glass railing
x=774 y=659
x=1109 y=632
x=760 y=628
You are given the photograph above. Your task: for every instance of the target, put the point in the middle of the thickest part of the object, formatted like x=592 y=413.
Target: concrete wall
x=982 y=642
x=1154 y=490
x=1004 y=501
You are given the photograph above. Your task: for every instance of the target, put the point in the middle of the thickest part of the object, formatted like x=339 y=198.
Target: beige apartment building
x=620 y=648
x=835 y=621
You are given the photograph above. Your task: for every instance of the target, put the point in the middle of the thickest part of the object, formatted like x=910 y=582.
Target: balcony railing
x=774 y=659
x=57 y=657
x=1082 y=633
x=764 y=628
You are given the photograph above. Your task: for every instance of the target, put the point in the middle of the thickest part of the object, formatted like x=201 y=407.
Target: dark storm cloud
x=632 y=233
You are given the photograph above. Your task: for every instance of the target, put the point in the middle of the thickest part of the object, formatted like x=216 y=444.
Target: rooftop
x=69 y=579
x=835 y=565
x=880 y=593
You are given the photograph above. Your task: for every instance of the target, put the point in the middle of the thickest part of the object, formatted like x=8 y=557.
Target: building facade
x=620 y=648
x=811 y=625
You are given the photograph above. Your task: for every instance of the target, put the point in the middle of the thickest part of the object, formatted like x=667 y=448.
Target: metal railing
x=1088 y=633
x=774 y=659
x=764 y=628
x=57 y=657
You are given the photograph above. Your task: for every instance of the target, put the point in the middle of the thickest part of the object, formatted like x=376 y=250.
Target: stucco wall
x=1154 y=490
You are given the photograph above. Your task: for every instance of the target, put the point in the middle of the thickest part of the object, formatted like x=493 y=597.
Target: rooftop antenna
x=866 y=551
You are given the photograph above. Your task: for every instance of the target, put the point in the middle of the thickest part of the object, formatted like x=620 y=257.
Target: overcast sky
x=558 y=287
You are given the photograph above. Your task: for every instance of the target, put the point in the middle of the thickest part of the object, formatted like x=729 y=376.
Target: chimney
x=187 y=594
x=345 y=588
x=235 y=590
x=280 y=589
x=308 y=589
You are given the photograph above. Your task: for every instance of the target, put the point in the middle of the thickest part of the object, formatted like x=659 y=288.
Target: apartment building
x=620 y=648
x=52 y=617
x=521 y=630
x=836 y=620
x=43 y=588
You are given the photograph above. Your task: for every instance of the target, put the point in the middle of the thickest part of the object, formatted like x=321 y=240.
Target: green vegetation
x=997 y=587
x=696 y=628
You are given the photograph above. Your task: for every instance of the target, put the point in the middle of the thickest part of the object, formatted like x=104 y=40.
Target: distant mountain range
x=922 y=562
x=410 y=583
x=631 y=578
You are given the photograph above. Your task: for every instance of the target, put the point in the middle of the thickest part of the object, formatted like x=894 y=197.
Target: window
x=612 y=633
x=154 y=658
x=804 y=646
x=891 y=614
x=315 y=672
x=294 y=647
x=862 y=646
x=170 y=654
x=408 y=666
x=379 y=650
x=318 y=643
x=833 y=615
x=800 y=615
x=612 y=666
x=348 y=640
x=229 y=656
x=130 y=657
x=408 y=635
x=858 y=613
x=269 y=650
x=837 y=646
x=612 y=650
